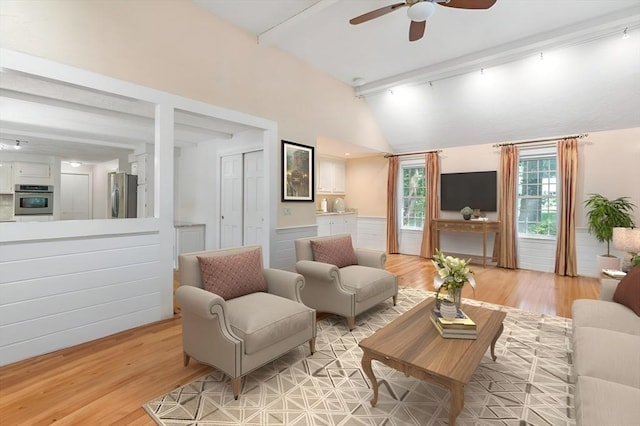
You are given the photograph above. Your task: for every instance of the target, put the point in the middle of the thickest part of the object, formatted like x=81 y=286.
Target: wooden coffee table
x=412 y=344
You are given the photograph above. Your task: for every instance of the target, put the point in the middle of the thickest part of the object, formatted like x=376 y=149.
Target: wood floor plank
x=107 y=381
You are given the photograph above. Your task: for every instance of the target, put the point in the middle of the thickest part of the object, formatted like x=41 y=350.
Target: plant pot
x=607 y=262
x=466 y=216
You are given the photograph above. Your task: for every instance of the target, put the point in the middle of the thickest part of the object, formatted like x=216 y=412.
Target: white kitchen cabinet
x=6 y=177
x=189 y=238
x=32 y=173
x=331 y=176
x=332 y=224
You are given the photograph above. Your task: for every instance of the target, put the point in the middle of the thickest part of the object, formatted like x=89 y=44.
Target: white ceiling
x=457 y=41
x=319 y=32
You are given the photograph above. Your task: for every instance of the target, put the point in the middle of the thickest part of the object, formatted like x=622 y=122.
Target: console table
x=483 y=227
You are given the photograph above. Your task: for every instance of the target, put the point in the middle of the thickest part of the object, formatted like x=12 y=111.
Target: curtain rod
x=412 y=153
x=580 y=136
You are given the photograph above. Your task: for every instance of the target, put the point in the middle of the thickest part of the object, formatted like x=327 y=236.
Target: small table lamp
x=628 y=240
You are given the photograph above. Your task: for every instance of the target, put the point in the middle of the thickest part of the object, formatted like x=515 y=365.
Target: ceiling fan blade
x=416 y=30
x=375 y=13
x=468 y=4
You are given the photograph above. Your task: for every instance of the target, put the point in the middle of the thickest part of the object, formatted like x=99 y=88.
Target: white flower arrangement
x=453 y=273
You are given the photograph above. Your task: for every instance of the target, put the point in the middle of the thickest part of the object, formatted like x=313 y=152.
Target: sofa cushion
x=606 y=354
x=233 y=275
x=628 y=290
x=336 y=251
x=366 y=282
x=607 y=315
x=600 y=402
x=263 y=319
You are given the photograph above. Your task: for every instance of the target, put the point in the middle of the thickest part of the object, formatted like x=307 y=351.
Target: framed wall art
x=297 y=172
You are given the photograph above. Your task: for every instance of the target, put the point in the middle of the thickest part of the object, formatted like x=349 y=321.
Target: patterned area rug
x=528 y=384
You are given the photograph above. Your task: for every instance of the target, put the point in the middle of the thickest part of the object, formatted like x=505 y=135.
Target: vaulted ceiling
x=588 y=80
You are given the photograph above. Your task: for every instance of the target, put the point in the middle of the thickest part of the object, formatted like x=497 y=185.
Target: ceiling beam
x=583 y=32
x=273 y=35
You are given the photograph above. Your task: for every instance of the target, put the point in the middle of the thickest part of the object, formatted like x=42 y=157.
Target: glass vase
x=455 y=295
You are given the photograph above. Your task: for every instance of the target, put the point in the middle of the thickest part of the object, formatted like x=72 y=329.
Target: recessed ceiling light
x=75 y=163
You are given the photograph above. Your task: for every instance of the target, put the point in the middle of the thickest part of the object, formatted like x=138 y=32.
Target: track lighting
x=625 y=34
x=481 y=71
x=541 y=56
x=17 y=145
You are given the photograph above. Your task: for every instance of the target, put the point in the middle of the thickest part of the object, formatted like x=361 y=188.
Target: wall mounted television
x=477 y=190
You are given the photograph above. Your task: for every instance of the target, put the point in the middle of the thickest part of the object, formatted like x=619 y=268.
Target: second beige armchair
x=342 y=280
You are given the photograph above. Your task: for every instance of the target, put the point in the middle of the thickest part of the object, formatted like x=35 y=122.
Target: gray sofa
x=606 y=358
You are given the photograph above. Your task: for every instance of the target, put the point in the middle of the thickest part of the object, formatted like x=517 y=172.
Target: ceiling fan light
x=421 y=11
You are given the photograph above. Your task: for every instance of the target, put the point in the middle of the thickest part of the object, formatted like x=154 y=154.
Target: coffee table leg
x=366 y=366
x=493 y=342
x=457 y=401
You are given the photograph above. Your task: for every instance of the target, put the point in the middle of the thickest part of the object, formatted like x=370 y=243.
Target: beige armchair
x=241 y=334
x=348 y=290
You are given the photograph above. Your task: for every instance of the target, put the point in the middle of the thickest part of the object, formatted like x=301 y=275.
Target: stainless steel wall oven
x=33 y=199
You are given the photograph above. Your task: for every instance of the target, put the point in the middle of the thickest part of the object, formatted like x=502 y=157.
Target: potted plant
x=602 y=216
x=466 y=212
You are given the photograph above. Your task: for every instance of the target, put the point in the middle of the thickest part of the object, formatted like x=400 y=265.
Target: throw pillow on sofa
x=628 y=290
x=233 y=275
x=335 y=251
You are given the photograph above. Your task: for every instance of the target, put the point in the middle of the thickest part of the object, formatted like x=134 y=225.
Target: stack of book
x=461 y=327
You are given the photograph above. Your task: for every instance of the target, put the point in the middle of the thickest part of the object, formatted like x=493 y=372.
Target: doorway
x=242 y=209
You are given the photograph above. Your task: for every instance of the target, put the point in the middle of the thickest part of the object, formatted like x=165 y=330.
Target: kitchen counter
x=319 y=213
x=180 y=224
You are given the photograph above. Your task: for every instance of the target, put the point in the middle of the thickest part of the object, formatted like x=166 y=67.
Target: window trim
x=537 y=154
x=404 y=164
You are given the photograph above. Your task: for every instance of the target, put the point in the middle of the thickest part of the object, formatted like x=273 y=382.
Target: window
x=537 y=195
x=413 y=196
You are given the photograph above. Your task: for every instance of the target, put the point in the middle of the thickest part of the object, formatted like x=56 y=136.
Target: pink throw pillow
x=628 y=290
x=233 y=275
x=336 y=251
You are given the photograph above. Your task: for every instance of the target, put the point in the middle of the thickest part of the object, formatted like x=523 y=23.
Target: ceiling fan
x=419 y=11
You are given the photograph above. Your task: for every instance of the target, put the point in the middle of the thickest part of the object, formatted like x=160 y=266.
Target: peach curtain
x=566 y=263
x=507 y=255
x=432 y=204
x=392 y=210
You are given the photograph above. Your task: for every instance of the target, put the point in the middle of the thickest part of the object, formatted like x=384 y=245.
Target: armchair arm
x=371 y=258
x=318 y=270
x=608 y=288
x=206 y=331
x=199 y=302
x=284 y=283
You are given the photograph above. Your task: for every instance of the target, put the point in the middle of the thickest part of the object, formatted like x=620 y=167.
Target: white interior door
x=231 y=210
x=74 y=196
x=253 y=198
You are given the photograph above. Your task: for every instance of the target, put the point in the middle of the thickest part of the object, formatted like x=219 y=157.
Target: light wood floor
x=108 y=380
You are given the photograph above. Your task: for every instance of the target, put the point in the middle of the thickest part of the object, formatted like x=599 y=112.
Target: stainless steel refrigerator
x=124 y=195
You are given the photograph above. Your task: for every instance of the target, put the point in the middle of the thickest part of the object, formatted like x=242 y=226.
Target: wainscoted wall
x=60 y=292
x=533 y=254
x=283 y=253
